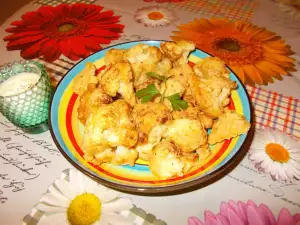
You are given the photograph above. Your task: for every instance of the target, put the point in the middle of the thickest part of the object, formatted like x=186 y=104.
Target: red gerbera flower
x=72 y=30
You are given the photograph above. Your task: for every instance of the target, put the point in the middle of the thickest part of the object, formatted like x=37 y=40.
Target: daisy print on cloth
x=81 y=201
x=249 y=213
x=254 y=53
x=277 y=154
x=75 y=30
x=155 y=16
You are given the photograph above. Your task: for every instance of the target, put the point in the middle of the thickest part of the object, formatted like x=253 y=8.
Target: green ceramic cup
x=28 y=109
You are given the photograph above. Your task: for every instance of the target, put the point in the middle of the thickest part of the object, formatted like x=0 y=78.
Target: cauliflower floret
x=178 y=51
x=188 y=135
x=118 y=78
x=90 y=100
x=211 y=66
x=143 y=53
x=113 y=56
x=229 y=125
x=194 y=113
x=109 y=126
x=85 y=77
x=146 y=116
x=211 y=93
x=167 y=161
x=125 y=156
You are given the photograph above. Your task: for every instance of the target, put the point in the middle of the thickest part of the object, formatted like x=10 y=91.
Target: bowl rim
x=158 y=189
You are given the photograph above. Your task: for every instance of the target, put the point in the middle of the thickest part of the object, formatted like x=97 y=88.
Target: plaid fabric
x=57 y=2
x=138 y=215
x=232 y=9
x=275 y=110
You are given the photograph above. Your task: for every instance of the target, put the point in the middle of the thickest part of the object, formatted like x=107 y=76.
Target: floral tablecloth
x=263 y=188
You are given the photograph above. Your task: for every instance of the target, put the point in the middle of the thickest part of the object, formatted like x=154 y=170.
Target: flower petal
x=55 y=201
x=254 y=217
x=117 y=205
x=117 y=219
x=194 y=221
x=285 y=217
x=234 y=218
x=54 y=219
x=78 y=46
x=89 y=184
x=76 y=182
x=64 y=188
x=105 y=194
x=25 y=40
x=252 y=73
x=52 y=209
x=33 y=51
x=268 y=214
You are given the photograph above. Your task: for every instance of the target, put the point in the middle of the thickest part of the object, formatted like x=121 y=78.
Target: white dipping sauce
x=18 y=84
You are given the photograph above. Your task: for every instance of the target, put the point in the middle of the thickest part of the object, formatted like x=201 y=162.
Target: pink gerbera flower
x=240 y=213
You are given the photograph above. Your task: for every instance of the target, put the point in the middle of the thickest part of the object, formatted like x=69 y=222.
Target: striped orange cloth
x=275 y=110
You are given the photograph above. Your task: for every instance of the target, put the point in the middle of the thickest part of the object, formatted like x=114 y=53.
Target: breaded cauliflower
x=118 y=78
x=90 y=100
x=211 y=66
x=211 y=93
x=194 y=113
x=187 y=135
x=167 y=161
x=110 y=126
x=177 y=52
x=113 y=56
x=85 y=77
x=229 y=125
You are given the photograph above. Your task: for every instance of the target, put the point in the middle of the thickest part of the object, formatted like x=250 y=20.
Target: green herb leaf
x=146 y=94
x=155 y=75
x=177 y=103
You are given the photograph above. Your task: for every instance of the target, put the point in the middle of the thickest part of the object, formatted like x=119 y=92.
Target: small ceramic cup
x=27 y=109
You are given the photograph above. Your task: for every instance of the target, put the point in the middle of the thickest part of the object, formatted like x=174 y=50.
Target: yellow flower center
x=229 y=45
x=85 y=209
x=66 y=27
x=155 y=16
x=277 y=152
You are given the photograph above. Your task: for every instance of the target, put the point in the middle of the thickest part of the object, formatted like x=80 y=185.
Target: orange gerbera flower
x=255 y=54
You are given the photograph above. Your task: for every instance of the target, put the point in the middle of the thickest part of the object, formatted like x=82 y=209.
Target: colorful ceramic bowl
x=67 y=133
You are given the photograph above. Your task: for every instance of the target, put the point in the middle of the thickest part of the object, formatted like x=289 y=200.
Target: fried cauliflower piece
x=178 y=51
x=211 y=66
x=110 y=126
x=211 y=93
x=167 y=161
x=188 y=135
x=194 y=113
x=85 y=77
x=118 y=78
x=182 y=73
x=113 y=56
x=119 y=156
x=229 y=125
x=149 y=119
x=90 y=100
x=125 y=156
x=142 y=53
x=161 y=68
x=146 y=116
x=170 y=87
x=203 y=151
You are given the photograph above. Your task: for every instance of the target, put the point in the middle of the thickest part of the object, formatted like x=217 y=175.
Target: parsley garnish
x=148 y=93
